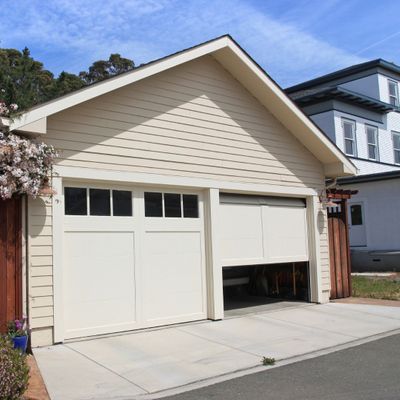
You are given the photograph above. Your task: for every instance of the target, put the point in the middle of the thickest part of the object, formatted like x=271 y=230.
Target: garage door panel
x=262 y=230
x=172 y=275
x=99 y=281
x=132 y=271
x=287 y=233
x=241 y=232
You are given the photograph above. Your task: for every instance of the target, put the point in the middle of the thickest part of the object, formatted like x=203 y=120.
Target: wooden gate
x=10 y=261
x=339 y=247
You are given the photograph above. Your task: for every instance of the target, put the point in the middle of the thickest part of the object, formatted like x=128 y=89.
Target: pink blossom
x=24 y=165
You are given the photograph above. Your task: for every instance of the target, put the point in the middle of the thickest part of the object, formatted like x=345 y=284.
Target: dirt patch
x=36 y=388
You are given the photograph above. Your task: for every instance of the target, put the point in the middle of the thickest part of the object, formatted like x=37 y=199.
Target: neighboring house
x=358 y=109
x=167 y=174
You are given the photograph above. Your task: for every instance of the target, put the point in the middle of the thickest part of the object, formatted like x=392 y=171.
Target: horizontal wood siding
x=41 y=265
x=324 y=254
x=195 y=120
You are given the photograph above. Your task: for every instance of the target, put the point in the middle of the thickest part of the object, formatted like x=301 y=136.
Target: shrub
x=14 y=372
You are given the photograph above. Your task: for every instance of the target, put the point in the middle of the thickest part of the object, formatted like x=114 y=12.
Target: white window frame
x=376 y=144
x=396 y=150
x=396 y=96
x=354 y=139
x=94 y=186
x=181 y=203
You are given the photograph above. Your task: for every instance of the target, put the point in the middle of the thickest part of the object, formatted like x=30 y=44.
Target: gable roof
x=345 y=72
x=242 y=67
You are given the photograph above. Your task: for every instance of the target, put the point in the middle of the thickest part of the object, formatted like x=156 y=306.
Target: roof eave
x=59 y=104
x=236 y=61
x=272 y=96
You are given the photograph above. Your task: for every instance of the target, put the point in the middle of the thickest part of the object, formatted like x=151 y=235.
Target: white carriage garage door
x=262 y=230
x=132 y=258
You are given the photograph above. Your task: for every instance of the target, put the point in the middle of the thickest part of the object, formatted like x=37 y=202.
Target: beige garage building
x=168 y=174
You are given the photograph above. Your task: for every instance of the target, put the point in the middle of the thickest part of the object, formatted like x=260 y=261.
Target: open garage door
x=132 y=258
x=263 y=249
x=262 y=230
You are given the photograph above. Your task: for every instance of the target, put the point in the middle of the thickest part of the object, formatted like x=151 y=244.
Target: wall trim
x=170 y=180
x=314 y=248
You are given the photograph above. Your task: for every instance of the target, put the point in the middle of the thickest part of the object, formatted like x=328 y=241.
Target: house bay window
x=349 y=133
x=396 y=147
x=372 y=141
x=393 y=93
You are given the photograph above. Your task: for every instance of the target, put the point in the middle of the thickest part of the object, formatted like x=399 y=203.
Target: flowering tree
x=25 y=165
x=7 y=110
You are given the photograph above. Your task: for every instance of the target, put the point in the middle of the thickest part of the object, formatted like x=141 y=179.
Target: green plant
x=14 y=371
x=268 y=361
x=386 y=288
x=17 y=328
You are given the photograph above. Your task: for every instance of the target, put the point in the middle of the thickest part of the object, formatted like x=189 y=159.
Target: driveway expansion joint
x=219 y=343
x=106 y=368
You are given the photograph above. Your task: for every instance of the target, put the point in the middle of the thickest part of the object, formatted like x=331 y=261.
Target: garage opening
x=250 y=288
x=264 y=248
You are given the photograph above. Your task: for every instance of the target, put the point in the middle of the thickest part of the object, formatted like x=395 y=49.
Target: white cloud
x=74 y=33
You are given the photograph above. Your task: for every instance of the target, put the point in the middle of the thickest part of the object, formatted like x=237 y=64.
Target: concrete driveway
x=155 y=363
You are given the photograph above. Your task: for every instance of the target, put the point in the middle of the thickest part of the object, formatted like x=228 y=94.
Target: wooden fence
x=10 y=261
x=339 y=247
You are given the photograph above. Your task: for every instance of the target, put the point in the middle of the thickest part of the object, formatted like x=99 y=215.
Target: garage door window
x=190 y=206
x=122 y=203
x=171 y=205
x=75 y=201
x=153 y=204
x=100 y=202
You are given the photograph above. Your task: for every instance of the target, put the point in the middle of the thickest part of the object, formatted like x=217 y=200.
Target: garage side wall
x=193 y=121
x=322 y=222
x=40 y=271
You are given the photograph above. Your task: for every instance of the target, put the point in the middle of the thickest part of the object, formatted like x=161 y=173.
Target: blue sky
x=294 y=40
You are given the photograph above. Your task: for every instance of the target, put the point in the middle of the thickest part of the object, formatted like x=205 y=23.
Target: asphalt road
x=367 y=372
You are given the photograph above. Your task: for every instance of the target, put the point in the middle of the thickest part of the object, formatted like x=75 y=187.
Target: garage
x=133 y=258
x=134 y=234
x=264 y=249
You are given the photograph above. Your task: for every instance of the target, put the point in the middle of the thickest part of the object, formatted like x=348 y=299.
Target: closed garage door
x=262 y=230
x=133 y=258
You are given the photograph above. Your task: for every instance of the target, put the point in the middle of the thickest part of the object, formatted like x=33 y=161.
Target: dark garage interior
x=252 y=286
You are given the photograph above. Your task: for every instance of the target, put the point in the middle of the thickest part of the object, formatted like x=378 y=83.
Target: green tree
x=104 y=69
x=66 y=83
x=24 y=81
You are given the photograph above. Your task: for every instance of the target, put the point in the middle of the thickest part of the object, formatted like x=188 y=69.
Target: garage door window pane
x=122 y=203
x=75 y=201
x=172 y=204
x=100 y=202
x=190 y=206
x=153 y=204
